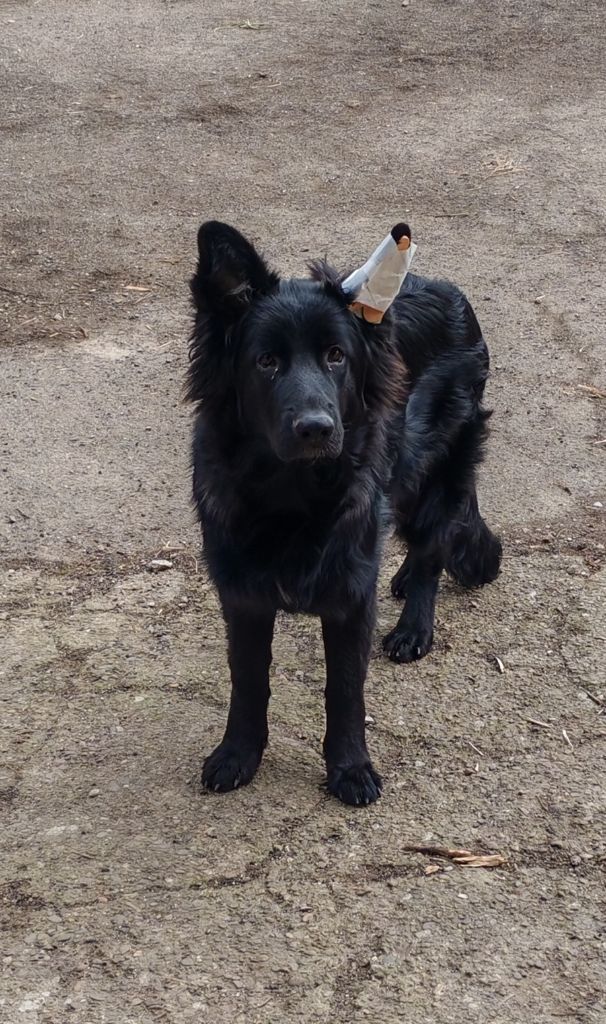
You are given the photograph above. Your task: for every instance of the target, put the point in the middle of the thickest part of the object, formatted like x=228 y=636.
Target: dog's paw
x=229 y=767
x=399 y=583
x=476 y=561
x=357 y=784
x=408 y=643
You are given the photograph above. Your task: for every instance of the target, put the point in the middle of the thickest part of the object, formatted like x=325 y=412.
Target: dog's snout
x=314 y=428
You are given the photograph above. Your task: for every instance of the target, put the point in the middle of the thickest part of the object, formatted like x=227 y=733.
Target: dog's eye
x=266 y=361
x=335 y=355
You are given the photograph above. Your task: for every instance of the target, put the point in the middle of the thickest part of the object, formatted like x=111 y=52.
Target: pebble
x=94 y=792
x=159 y=565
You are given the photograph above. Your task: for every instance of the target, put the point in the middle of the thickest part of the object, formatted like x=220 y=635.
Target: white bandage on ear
x=374 y=286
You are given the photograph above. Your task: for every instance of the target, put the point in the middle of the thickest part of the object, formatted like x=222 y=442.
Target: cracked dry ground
x=126 y=895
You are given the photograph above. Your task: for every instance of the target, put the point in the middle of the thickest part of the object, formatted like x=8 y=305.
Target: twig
x=461 y=214
x=592 y=696
x=21 y=295
x=537 y=721
x=473 y=747
x=463 y=857
x=567 y=738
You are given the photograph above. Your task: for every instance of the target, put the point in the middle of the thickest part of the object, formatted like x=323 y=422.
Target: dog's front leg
x=234 y=762
x=347 y=643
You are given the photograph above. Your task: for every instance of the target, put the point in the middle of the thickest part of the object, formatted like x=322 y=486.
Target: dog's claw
x=407 y=644
x=228 y=767
x=356 y=785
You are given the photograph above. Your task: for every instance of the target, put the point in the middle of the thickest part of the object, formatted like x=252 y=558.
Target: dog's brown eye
x=335 y=355
x=267 y=362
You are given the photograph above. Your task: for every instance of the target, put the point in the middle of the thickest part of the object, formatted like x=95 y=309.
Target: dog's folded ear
x=230 y=272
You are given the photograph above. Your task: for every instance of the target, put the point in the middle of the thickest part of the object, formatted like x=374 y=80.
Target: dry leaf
x=432 y=869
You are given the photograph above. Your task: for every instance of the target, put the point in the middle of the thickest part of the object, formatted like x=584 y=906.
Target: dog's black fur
x=314 y=430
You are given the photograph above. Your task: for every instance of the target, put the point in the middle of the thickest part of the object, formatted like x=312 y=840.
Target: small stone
x=159 y=565
x=598 y=504
x=369 y=720
x=94 y=792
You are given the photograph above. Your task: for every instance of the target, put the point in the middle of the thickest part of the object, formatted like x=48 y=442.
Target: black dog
x=313 y=431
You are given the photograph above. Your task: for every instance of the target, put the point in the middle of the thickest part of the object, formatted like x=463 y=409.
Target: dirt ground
x=128 y=896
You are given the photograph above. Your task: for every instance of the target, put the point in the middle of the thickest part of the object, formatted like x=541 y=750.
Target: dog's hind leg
x=475 y=552
x=419 y=575
x=234 y=762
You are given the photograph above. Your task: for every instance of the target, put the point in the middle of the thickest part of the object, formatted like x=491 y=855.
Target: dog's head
x=288 y=355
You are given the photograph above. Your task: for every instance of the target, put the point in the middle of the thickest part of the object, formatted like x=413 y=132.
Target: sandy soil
x=126 y=895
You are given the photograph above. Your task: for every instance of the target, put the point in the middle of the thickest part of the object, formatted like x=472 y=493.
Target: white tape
x=378 y=282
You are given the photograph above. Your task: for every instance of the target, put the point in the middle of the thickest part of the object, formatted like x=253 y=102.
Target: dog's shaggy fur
x=313 y=432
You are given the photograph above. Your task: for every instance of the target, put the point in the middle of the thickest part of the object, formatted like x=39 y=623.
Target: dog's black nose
x=314 y=427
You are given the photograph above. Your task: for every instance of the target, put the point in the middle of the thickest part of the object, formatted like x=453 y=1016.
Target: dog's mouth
x=310 y=453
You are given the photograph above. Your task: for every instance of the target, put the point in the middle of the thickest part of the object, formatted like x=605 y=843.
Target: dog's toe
x=229 y=767
x=406 y=644
x=399 y=583
x=357 y=785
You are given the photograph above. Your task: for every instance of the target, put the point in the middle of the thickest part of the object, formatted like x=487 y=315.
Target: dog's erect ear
x=230 y=272
x=324 y=274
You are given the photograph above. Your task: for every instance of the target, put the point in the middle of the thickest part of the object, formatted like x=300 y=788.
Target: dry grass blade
x=465 y=858
x=136 y=288
x=591 y=390
x=502 y=165
x=254 y=26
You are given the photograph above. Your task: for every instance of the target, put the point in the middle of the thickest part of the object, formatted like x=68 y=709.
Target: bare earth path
x=126 y=895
